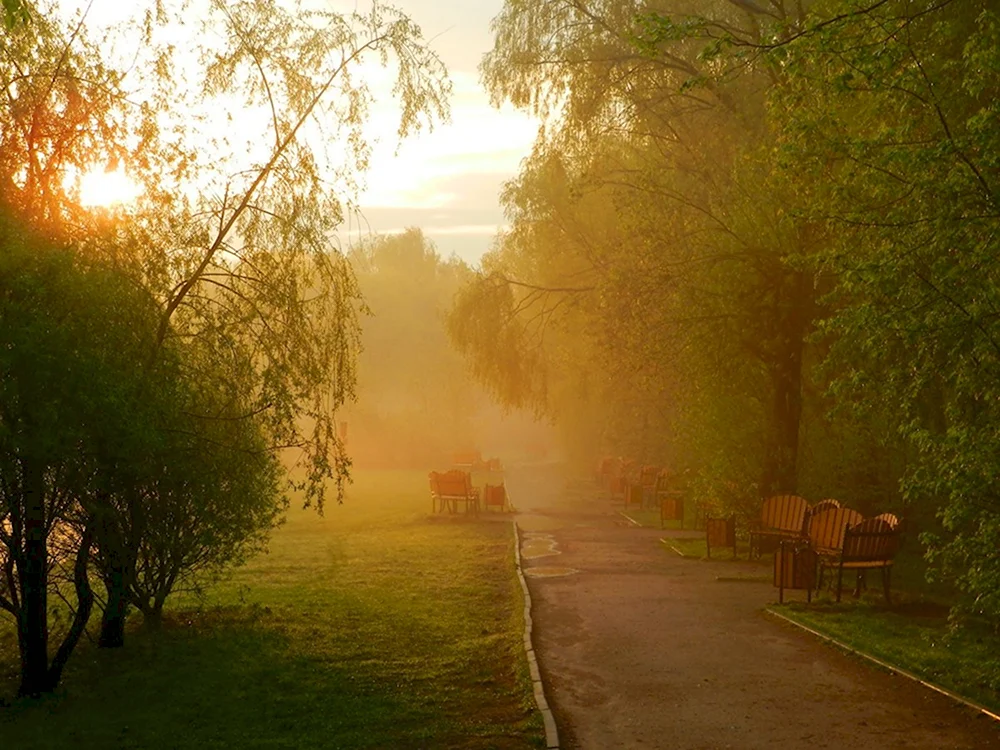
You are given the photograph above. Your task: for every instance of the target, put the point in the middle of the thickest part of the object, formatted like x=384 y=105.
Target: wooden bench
x=826 y=529
x=827 y=504
x=471 y=459
x=869 y=545
x=450 y=488
x=781 y=517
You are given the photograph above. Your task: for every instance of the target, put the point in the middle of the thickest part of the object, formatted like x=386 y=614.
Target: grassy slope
x=375 y=626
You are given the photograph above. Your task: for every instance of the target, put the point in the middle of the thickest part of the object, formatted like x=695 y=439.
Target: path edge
x=629 y=518
x=551 y=732
x=885 y=665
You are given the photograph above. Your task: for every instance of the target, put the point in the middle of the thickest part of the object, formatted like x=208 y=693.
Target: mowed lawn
x=377 y=625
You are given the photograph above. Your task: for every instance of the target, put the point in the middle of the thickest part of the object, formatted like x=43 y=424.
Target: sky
x=445 y=182
x=448 y=182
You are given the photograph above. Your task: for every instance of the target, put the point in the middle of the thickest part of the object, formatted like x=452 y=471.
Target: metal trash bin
x=671 y=508
x=794 y=568
x=720 y=532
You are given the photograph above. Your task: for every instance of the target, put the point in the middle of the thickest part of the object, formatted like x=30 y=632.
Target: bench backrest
x=467 y=458
x=872 y=540
x=629 y=468
x=454 y=483
x=784 y=512
x=890 y=518
x=648 y=475
x=826 y=528
x=828 y=504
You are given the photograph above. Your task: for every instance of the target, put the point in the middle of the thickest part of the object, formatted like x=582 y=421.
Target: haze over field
x=741 y=253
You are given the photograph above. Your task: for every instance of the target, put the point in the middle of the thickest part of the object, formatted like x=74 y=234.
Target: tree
x=248 y=293
x=891 y=111
x=640 y=202
x=259 y=276
x=201 y=496
x=69 y=334
x=14 y=12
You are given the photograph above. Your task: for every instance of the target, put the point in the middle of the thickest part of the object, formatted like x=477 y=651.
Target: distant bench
x=450 y=488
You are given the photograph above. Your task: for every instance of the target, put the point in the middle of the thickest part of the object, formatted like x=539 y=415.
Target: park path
x=640 y=648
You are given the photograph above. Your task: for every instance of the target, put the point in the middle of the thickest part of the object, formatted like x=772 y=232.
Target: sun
x=100 y=188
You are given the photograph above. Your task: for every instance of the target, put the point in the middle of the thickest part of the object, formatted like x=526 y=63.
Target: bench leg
x=840 y=579
x=886 y=572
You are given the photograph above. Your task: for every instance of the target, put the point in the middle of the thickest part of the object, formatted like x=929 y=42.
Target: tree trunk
x=84 y=606
x=794 y=316
x=152 y=617
x=116 y=609
x=32 y=625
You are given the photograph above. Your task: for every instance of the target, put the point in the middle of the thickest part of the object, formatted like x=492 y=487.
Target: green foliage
x=15 y=12
x=70 y=333
x=897 y=126
x=650 y=301
x=762 y=246
x=218 y=326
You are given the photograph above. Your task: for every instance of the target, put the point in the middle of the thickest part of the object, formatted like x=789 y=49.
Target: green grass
x=697 y=549
x=376 y=626
x=912 y=635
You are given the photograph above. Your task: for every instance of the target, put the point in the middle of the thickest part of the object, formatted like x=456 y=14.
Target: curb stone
x=628 y=518
x=551 y=732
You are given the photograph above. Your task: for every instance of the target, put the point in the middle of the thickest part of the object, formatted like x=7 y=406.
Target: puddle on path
x=549 y=572
x=537 y=545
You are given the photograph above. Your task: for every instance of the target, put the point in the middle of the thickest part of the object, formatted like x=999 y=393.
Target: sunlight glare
x=106 y=189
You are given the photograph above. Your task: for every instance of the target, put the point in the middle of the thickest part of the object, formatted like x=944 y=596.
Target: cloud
x=464 y=226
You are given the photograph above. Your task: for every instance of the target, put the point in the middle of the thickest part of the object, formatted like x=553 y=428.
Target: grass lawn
x=376 y=626
x=914 y=636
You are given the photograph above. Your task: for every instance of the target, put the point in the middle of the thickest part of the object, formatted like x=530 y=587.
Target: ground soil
x=640 y=648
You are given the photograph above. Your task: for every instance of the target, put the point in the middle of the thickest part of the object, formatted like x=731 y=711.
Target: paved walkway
x=640 y=648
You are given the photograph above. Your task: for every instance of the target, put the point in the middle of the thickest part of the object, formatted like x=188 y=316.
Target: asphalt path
x=640 y=648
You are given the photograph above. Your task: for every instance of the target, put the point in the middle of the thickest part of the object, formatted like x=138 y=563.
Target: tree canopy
x=213 y=321
x=756 y=241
